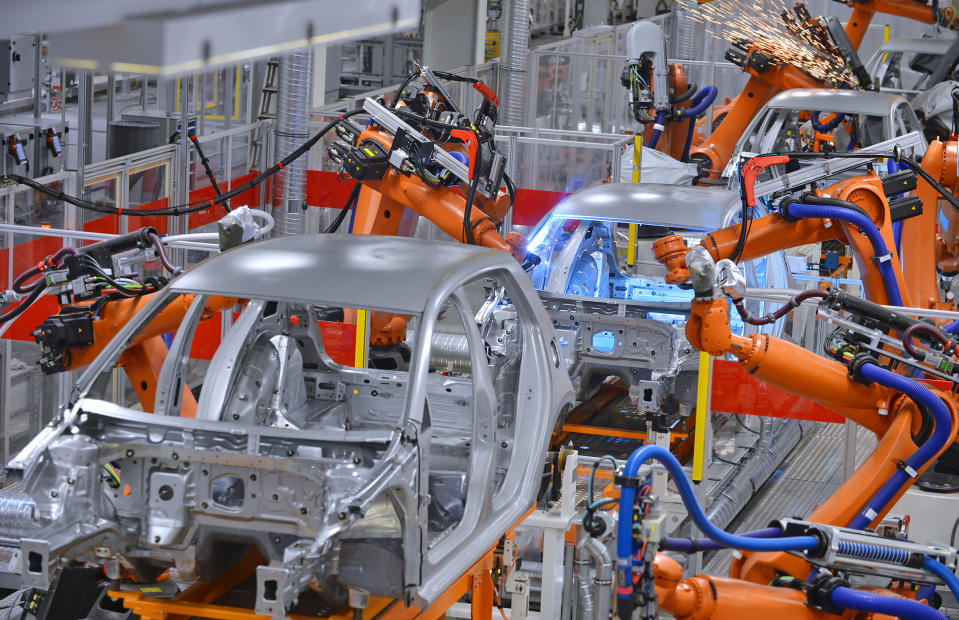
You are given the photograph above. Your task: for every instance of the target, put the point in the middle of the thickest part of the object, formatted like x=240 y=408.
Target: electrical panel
x=32 y=147
x=17 y=67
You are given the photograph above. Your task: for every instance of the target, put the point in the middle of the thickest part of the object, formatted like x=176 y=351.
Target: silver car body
x=635 y=331
x=878 y=116
x=334 y=473
x=895 y=66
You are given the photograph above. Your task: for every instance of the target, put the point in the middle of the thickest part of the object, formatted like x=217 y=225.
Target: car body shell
x=334 y=492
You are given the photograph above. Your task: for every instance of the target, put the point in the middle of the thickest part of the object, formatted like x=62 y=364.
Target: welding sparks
x=772 y=30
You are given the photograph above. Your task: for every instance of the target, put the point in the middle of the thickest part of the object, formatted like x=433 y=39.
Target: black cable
x=743 y=424
x=208 y=169
x=23 y=305
x=686 y=95
x=744 y=226
x=190 y=207
x=354 y=196
x=399 y=91
x=471 y=196
x=722 y=460
x=592 y=475
x=510 y=189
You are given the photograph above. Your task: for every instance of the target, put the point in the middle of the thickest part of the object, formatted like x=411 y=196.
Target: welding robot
x=769 y=76
x=831 y=563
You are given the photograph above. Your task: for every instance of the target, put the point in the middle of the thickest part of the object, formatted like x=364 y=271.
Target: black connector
x=736 y=57
x=855 y=367
x=103 y=251
x=791 y=528
x=348 y=131
x=899 y=183
x=819 y=592
x=839 y=299
x=631 y=482
x=59 y=333
x=904 y=208
x=367 y=162
x=784 y=205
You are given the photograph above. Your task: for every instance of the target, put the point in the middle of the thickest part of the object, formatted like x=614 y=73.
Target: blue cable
x=800 y=210
x=847 y=598
x=952 y=327
x=627 y=500
x=701 y=100
x=940 y=570
x=654 y=137
x=826 y=127
x=918 y=459
x=688 y=545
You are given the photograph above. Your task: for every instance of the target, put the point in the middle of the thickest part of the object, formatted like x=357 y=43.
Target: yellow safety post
x=637 y=160
x=703 y=389
x=885 y=39
x=361 y=351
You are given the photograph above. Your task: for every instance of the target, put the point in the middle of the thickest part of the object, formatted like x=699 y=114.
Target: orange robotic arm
x=391 y=206
x=144 y=356
x=773 y=232
x=761 y=87
x=862 y=13
x=705 y=597
x=921 y=257
x=892 y=417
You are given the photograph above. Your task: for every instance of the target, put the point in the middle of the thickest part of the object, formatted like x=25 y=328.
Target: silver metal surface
x=836 y=100
x=920 y=45
x=691 y=208
x=362 y=271
x=333 y=472
x=776 y=440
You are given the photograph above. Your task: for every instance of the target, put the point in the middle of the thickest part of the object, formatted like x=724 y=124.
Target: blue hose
x=686 y=545
x=627 y=500
x=701 y=100
x=826 y=127
x=654 y=137
x=689 y=140
x=939 y=570
x=925 y=453
x=952 y=327
x=865 y=224
x=858 y=600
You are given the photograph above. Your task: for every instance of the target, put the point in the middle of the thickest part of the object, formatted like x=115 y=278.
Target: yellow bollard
x=703 y=389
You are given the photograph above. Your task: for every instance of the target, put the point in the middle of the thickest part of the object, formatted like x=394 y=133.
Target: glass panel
x=102 y=191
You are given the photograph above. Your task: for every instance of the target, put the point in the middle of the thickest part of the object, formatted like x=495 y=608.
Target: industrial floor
x=808 y=475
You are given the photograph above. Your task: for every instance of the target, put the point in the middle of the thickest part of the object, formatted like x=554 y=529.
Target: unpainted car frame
x=346 y=484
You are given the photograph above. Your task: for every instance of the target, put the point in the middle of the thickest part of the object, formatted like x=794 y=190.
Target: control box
x=32 y=147
x=17 y=67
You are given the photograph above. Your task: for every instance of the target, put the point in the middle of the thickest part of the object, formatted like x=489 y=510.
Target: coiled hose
x=851 y=216
x=918 y=459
